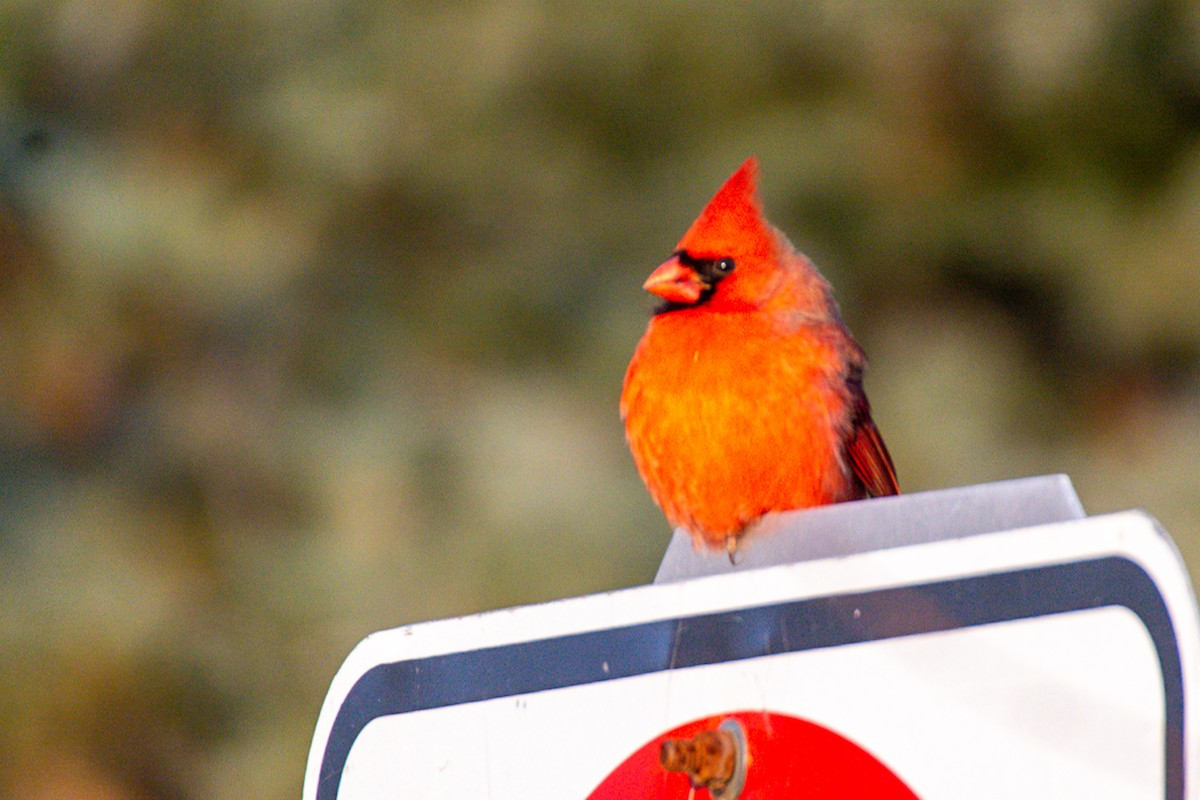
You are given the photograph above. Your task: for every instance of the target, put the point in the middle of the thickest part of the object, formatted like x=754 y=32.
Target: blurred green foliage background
x=313 y=316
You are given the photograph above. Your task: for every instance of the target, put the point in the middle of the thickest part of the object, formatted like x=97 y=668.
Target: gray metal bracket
x=881 y=523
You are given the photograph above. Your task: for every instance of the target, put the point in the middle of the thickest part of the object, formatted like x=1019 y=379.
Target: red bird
x=745 y=394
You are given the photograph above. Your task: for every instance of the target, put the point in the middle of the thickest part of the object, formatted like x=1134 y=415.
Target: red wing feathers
x=868 y=455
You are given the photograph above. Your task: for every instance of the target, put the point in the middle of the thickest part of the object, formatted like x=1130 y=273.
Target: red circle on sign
x=786 y=757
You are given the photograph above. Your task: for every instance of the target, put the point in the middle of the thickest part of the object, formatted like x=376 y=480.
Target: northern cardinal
x=745 y=394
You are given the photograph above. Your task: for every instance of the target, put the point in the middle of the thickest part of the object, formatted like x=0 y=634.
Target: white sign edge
x=1132 y=534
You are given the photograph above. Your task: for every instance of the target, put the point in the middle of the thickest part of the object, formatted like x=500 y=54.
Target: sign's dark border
x=785 y=627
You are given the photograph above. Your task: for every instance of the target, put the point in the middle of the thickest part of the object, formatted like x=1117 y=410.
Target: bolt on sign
x=1043 y=660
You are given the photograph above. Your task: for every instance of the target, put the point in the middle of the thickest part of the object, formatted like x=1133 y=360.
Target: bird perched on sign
x=745 y=394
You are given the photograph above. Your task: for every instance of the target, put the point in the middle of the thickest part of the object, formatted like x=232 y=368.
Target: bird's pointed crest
x=732 y=222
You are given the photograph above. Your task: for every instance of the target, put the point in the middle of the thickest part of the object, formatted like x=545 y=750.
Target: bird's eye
x=725 y=266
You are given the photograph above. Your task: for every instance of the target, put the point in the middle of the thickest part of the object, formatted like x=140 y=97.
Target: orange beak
x=676 y=283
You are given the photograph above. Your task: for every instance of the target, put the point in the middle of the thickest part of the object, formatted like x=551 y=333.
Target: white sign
x=1050 y=661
